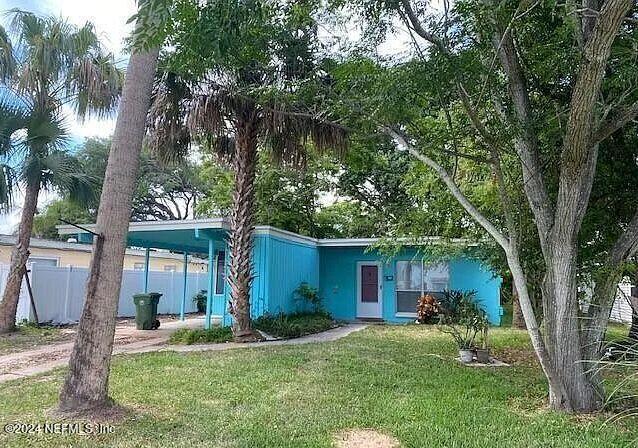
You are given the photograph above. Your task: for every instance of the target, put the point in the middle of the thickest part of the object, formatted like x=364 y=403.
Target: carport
x=202 y=237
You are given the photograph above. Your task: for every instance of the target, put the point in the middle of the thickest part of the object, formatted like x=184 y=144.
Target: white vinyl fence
x=58 y=292
x=621 y=311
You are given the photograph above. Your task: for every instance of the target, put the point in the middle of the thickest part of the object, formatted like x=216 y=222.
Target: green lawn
x=30 y=336
x=400 y=380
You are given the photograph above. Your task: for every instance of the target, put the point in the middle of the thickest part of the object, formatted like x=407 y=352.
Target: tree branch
x=578 y=157
x=620 y=119
x=418 y=28
x=526 y=144
x=501 y=239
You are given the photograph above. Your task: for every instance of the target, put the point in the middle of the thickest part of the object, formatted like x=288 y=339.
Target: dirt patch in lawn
x=364 y=438
x=517 y=357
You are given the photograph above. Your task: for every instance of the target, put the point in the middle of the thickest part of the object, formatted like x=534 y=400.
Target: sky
x=109 y=18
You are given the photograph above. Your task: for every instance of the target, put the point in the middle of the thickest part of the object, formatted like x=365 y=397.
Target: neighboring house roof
x=224 y=224
x=9 y=240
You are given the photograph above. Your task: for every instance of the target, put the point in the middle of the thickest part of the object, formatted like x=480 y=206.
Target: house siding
x=289 y=264
x=338 y=282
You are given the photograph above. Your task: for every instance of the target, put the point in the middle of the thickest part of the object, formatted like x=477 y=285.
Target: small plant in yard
x=309 y=295
x=463 y=319
x=427 y=309
x=200 y=300
x=188 y=336
x=294 y=325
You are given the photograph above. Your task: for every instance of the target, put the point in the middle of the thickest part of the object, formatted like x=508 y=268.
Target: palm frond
x=97 y=83
x=46 y=132
x=168 y=136
x=13 y=118
x=289 y=133
x=63 y=172
x=7 y=59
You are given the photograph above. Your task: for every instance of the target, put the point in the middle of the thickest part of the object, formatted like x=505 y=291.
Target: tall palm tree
x=259 y=89
x=48 y=67
x=86 y=385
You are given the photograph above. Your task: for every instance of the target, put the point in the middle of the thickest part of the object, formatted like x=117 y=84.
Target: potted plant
x=200 y=300
x=483 y=352
x=463 y=319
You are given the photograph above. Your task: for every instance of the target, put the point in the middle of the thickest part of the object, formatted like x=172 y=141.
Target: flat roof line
x=223 y=224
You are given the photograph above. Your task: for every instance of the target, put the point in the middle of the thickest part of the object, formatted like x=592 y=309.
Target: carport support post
x=183 y=305
x=147 y=259
x=209 y=293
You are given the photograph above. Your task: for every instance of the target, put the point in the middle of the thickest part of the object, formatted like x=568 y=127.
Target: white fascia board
x=150 y=226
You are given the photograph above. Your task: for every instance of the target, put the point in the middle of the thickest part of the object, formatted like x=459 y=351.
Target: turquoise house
x=354 y=280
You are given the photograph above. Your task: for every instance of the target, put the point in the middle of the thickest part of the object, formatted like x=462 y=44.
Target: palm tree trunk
x=86 y=384
x=240 y=239
x=19 y=257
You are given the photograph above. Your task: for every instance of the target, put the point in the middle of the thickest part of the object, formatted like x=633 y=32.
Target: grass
x=29 y=336
x=401 y=380
x=189 y=336
x=294 y=325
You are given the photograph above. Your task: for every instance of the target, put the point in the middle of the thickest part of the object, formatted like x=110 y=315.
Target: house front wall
x=338 y=282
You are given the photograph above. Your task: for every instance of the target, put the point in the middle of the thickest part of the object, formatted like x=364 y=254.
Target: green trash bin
x=146 y=310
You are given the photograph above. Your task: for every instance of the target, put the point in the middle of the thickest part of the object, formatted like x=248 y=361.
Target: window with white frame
x=43 y=261
x=415 y=278
x=220 y=272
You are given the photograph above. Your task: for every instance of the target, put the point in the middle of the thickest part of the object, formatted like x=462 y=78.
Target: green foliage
x=309 y=296
x=44 y=224
x=416 y=91
x=48 y=64
x=462 y=317
x=294 y=325
x=200 y=300
x=285 y=198
x=188 y=336
x=162 y=191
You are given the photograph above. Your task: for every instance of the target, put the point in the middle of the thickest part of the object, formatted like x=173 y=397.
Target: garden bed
x=286 y=326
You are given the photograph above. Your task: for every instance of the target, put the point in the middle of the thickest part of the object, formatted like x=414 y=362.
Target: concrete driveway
x=127 y=340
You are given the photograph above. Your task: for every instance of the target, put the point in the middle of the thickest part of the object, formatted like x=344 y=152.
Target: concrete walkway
x=129 y=340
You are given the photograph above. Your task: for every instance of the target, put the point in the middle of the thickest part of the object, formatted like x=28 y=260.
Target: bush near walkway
x=294 y=325
x=190 y=336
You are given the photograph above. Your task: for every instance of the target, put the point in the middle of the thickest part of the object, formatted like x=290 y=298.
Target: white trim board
x=223 y=223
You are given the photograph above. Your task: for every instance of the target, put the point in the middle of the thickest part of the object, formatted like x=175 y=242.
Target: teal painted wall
x=289 y=264
x=279 y=267
x=261 y=265
x=467 y=274
x=338 y=278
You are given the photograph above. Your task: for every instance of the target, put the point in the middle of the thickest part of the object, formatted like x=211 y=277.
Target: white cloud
x=109 y=18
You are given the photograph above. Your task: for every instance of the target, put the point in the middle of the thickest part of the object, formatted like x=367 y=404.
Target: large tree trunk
x=19 y=257
x=86 y=384
x=240 y=238
x=633 y=301
x=583 y=391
